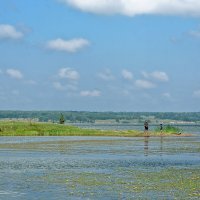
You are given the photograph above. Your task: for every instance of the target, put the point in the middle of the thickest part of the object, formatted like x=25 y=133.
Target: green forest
x=92 y=117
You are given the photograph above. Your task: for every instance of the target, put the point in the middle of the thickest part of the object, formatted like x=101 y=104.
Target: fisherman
x=146 y=126
x=161 y=126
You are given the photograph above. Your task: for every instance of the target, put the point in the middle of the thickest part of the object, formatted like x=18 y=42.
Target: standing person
x=161 y=127
x=146 y=126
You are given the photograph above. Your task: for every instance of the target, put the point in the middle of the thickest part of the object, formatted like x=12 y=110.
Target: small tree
x=62 y=119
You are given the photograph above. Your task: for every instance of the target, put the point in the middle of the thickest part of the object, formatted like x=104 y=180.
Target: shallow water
x=98 y=167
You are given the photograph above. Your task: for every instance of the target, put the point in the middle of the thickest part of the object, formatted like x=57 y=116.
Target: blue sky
x=98 y=55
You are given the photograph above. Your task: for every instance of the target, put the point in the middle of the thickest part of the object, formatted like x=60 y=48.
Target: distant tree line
x=91 y=117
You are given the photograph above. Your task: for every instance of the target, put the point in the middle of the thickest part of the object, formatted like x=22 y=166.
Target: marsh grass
x=24 y=128
x=169 y=129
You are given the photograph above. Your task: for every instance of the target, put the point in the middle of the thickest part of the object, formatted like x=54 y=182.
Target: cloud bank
x=137 y=7
x=70 y=46
x=9 y=32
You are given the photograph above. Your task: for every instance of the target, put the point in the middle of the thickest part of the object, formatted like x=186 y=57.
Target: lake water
x=99 y=168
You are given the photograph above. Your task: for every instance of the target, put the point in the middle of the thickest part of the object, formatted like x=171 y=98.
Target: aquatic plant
x=169 y=183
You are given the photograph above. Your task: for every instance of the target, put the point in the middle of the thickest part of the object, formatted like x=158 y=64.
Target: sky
x=100 y=55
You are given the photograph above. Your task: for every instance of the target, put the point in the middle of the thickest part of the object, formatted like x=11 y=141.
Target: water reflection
x=95 y=167
x=146 y=145
x=161 y=145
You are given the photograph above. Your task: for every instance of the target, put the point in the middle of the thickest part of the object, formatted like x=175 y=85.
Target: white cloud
x=106 y=75
x=156 y=75
x=9 y=32
x=93 y=93
x=145 y=74
x=166 y=95
x=59 y=86
x=14 y=73
x=127 y=74
x=196 y=93
x=161 y=76
x=195 y=34
x=66 y=80
x=71 y=46
x=68 y=73
x=137 y=7
x=144 y=84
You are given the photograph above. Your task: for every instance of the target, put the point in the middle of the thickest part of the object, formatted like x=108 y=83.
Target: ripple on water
x=40 y=167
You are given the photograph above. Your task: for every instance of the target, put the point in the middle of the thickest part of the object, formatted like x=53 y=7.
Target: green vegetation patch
x=170 y=183
x=169 y=129
x=25 y=128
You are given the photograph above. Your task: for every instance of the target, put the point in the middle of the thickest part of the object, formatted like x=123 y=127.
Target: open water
x=92 y=167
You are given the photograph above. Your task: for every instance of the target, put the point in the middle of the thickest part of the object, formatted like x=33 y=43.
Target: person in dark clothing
x=161 y=127
x=146 y=126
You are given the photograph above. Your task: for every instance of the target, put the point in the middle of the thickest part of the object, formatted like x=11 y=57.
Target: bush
x=169 y=129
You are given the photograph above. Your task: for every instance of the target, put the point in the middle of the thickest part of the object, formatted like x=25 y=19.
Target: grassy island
x=25 y=128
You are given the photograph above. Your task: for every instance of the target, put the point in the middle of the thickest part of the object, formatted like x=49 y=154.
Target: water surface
x=98 y=167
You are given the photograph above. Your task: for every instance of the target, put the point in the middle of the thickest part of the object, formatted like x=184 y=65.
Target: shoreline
x=22 y=128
